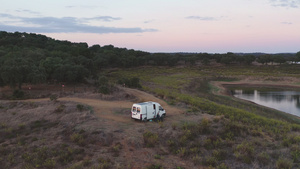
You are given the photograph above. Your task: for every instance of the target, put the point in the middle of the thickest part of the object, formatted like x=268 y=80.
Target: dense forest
x=33 y=58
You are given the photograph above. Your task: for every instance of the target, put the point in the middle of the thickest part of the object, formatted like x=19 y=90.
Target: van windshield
x=160 y=108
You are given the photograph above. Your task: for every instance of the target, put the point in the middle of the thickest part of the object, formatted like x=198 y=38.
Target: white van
x=147 y=111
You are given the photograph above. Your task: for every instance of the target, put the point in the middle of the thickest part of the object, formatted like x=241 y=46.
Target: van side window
x=138 y=109
x=133 y=109
x=153 y=106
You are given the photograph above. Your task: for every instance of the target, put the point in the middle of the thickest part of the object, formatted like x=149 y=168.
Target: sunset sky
x=213 y=26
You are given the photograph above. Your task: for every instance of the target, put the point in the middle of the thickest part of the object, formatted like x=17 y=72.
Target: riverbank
x=282 y=83
x=289 y=84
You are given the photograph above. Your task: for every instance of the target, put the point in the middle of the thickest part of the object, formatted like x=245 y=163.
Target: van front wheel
x=162 y=117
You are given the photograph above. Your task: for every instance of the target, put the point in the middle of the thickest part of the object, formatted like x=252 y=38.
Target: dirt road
x=111 y=109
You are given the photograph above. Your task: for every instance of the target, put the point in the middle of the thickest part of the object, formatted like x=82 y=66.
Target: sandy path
x=109 y=109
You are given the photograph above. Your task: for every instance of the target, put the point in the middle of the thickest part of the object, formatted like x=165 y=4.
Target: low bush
x=222 y=166
x=263 y=158
x=220 y=154
x=155 y=166
x=284 y=163
x=104 y=163
x=210 y=161
x=182 y=152
x=295 y=153
x=80 y=107
x=116 y=149
x=60 y=108
x=78 y=139
x=150 y=139
x=18 y=94
x=197 y=160
x=290 y=140
x=245 y=152
x=131 y=83
x=53 y=97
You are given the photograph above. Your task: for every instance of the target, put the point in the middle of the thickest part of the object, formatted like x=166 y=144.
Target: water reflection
x=287 y=101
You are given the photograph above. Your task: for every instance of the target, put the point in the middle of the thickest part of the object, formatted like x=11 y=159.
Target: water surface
x=286 y=101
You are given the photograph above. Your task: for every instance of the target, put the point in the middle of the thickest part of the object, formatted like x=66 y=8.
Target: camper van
x=147 y=111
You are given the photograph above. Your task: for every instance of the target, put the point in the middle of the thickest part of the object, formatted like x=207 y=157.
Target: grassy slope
x=247 y=135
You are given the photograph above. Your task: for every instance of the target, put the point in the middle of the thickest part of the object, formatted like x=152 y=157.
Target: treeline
x=33 y=58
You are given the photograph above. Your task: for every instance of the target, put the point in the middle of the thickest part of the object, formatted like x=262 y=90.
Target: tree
x=279 y=59
x=17 y=70
x=70 y=73
x=159 y=59
x=298 y=56
x=100 y=61
x=205 y=61
x=264 y=59
x=248 y=59
x=50 y=64
x=172 y=60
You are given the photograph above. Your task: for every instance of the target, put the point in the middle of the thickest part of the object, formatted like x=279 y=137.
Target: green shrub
x=131 y=83
x=291 y=139
x=284 y=163
x=155 y=166
x=220 y=154
x=212 y=142
x=172 y=146
x=49 y=163
x=150 y=139
x=244 y=152
x=104 y=89
x=222 y=166
x=157 y=156
x=210 y=161
x=263 y=158
x=60 y=108
x=174 y=126
x=21 y=126
x=18 y=94
x=116 y=149
x=295 y=152
x=80 y=107
x=53 y=97
x=197 y=160
x=182 y=152
x=3 y=125
x=77 y=138
x=37 y=124
x=104 y=163
x=11 y=158
x=86 y=162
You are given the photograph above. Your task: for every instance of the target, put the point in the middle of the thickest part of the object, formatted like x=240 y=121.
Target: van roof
x=145 y=103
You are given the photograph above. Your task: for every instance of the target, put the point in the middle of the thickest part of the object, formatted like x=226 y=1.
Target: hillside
x=42 y=59
x=67 y=105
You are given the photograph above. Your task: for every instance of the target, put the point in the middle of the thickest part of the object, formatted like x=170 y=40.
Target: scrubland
x=204 y=127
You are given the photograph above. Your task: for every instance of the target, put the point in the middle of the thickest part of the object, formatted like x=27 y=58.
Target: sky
x=212 y=26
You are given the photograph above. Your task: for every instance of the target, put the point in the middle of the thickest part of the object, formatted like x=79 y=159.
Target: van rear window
x=133 y=109
x=138 y=110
